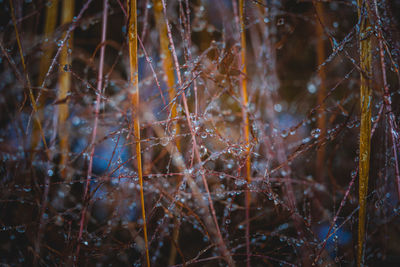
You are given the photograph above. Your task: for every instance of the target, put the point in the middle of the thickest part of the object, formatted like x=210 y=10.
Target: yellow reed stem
x=132 y=35
x=64 y=87
x=246 y=126
x=32 y=98
x=167 y=63
x=170 y=80
x=365 y=128
x=50 y=25
x=244 y=91
x=45 y=60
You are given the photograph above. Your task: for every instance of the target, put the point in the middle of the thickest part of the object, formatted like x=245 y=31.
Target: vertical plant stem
x=39 y=127
x=66 y=37
x=246 y=129
x=144 y=21
x=174 y=242
x=321 y=121
x=48 y=49
x=388 y=101
x=170 y=80
x=220 y=241
x=32 y=98
x=178 y=161
x=167 y=64
x=42 y=220
x=50 y=25
x=244 y=90
x=189 y=46
x=270 y=78
x=365 y=128
x=96 y=119
x=132 y=35
x=64 y=87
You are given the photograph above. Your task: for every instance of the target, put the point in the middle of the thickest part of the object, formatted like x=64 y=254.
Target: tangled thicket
x=267 y=133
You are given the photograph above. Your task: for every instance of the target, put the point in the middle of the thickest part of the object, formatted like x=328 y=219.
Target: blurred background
x=302 y=72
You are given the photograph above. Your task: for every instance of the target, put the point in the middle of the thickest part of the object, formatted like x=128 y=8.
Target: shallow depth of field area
x=199 y=133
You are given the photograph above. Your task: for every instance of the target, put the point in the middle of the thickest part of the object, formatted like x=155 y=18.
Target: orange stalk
x=246 y=126
x=167 y=62
x=48 y=49
x=170 y=81
x=32 y=98
x=64 y=87
x=220 y=241
x=365 y=128
x=132 y=35
x=244 y=91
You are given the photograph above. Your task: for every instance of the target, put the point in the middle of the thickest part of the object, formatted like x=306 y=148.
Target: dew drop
x=203 y=151
x=164 y=141
x=311 y=88
x=278 y=107
x=67 y=68
x=240 y=182
x=316 y=132
x=20 y=229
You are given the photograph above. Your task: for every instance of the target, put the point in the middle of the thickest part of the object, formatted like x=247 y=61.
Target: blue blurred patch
x=341 y=237
x=108 y=155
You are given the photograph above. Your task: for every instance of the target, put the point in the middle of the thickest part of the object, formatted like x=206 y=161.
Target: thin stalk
x=388 y=101
x=270 y=78
x=189 y=44
x=170 y=80
x=42 y=221
x=174 y=242
x=64 y=87
x=178 y=161
x=145 y=22
x=167 y=64
x=220 y=241
x=32 y=98
x=321 y=121
x=96 y=119
x=365 y=128
x=48 y=50
x=184 y=21
x=244 y=90
x=64 y=40
x=246 y=126
x=39 y=127
x=152 y=70
x=50 y=25
x=132 y=35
